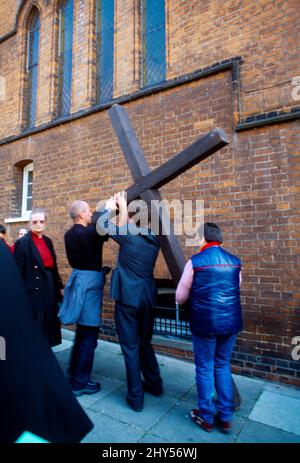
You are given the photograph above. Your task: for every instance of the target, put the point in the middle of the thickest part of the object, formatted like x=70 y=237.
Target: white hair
x=76 y=208
x=37 y=211
x=22 y=229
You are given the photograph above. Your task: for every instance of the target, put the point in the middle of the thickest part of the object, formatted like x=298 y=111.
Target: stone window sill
x=16 y=220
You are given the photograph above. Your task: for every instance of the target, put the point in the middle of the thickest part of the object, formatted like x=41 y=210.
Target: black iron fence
x=170 y=320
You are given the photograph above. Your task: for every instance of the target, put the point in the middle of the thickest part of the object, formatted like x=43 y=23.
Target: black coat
x=34 y=274
x=34 y=394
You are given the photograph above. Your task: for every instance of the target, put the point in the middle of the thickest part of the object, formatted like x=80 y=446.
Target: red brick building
x=179 y=68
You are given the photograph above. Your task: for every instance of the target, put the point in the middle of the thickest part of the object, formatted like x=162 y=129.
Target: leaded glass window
x=66 y=12
x=32 y=66
x=104 y=50
x=153 y=20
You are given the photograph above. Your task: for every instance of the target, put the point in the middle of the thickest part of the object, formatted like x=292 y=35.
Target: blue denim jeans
x=212 y=361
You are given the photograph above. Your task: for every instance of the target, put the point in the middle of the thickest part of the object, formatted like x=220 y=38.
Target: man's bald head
x=80 y=212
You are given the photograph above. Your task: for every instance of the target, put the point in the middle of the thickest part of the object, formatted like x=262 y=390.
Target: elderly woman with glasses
x=36 y=259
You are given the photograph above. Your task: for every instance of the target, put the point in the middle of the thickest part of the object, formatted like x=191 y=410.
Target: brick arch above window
x=27 y=11
x=17 y=20
x=23 y=4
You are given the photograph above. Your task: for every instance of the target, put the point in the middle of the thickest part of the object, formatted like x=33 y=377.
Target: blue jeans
x=212 y=361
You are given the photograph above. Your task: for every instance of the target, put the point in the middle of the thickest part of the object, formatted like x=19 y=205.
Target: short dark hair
x=2 y=229
x=211 y=232
x=145 y=212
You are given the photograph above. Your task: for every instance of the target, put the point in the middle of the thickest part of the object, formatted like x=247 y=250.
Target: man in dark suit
x=133 y=288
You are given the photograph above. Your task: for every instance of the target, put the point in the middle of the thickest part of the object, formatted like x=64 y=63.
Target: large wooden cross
x=148 y=182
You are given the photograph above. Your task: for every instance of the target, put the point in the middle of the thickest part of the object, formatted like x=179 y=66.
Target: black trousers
x=47 y=319
x=82 y=355
x=135 y=329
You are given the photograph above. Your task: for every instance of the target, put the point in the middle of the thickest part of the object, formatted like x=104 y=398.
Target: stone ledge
x=229 y=64
x=162 y=341
x=16 y=219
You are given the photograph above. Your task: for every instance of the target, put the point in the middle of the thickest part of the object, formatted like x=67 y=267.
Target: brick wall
x=251 y=188
x=265 y=33
x=8 y=15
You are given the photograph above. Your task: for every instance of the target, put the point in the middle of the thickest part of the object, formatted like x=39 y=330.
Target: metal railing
x=170 y=319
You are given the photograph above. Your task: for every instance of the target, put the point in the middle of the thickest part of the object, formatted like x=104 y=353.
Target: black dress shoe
x=89 y=388
x=154 y=391
x=136 y=407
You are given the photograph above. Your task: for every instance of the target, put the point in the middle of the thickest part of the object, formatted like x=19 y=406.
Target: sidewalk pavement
x=270 y=412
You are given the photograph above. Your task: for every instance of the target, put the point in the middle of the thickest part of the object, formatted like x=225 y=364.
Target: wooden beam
x=138 y=166
x=147 y=183
x=198 y=151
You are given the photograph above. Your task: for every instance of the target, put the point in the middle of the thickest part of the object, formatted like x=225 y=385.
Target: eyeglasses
x=35 y=222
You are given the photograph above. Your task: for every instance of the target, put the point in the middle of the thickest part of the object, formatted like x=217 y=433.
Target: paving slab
x=65 y=344
x=191 y=396
x=269 y=412
x=250 y=390
x=109 y=364
x=289 y=391
x=115 y=405
x=107 y=387
x=277 y=410
x=254 y=432
x=149 y=438
x=110 y=430
x=178 y=427
x=68 y=334
x=178 y=376
x=112 y=347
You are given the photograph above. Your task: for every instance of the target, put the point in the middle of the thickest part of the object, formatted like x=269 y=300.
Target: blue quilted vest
x=215 y=294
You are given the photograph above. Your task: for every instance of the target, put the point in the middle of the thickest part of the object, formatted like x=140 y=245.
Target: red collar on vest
x=210 y=245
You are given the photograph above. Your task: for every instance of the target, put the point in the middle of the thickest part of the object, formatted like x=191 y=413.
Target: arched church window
x=32 y=64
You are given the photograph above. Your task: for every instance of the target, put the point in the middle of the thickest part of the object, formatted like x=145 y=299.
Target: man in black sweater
x=83 y=295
